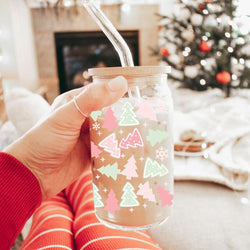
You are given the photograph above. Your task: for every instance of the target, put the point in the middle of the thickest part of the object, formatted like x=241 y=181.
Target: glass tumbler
x=132 y=150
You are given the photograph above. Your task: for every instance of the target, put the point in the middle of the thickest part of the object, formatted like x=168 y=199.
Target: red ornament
x=164 y=51
x=223 y=77
x=201 y=7
x=204 y=47
x=160 y=27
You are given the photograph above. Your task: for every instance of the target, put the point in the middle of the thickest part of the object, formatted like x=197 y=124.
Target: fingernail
x=118 y=83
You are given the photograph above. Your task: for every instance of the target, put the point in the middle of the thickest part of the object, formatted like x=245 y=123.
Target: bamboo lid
x=137 y=70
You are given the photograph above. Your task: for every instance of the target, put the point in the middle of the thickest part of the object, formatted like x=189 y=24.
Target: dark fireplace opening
x=78 y=51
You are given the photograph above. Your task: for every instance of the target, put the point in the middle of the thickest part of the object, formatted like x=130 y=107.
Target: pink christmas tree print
x=165 y=197
x=110 y=145
x=111 y=203
x=130 y=168
x=161 y=106
x=95 y=151
x=109 y=120
x=146 y=192
x=147 y=111
x=132 y=140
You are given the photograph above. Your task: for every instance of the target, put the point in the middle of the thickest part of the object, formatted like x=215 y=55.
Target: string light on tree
x=68 y=3
x=208 y=34
x=234 y=61
x=240 y=41
x=234 y=77
x=205 y=12
x=202 y=81
x=241 y=61
x=204 y=38
x=203 y=62
x=218 y=53
x=218 y=20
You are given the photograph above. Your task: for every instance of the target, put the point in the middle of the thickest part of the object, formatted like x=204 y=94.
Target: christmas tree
x=130 y=168
x=95 y=151
x=146 y=191
x=97 y=197
x=153 y=168
x=206 y=46
x=129 y=196
x=110 y=170
x=155 y=136
x=165 y=197
x=111 y=203
x=147 y=111
x=133 y=140
x=110 y=120
x=128 y=117
x=95 y=114
x=110 y=145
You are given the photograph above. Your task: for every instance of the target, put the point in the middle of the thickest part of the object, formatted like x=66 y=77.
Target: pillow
x=8 y=134
x=24 y=108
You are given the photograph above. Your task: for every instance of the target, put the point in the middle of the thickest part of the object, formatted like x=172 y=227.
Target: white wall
x=17 y=43
x=8 y=64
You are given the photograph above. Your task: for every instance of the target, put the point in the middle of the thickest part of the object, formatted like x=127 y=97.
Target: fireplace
x=56 y=34
x=76 y=52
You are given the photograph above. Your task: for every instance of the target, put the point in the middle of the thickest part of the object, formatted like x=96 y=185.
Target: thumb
x=94 y=96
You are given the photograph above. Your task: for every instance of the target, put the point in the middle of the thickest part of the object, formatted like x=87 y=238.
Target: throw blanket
x=227 y=123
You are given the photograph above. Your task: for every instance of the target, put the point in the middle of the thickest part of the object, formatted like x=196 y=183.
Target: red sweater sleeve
x=20 y=195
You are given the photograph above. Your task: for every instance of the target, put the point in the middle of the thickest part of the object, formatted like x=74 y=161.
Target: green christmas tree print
x=153 y=168
x=155 y=136
x=97 y=197
x=128 y=117
x=129 y=196
x=110 y=170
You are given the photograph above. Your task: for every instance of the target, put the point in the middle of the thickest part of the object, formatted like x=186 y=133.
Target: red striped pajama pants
x=68 y=221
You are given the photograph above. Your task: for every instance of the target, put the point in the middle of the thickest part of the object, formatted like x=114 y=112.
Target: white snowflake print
x=96 y=126
x=161 y=153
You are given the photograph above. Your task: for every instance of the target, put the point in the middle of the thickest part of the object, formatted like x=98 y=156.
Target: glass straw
x=113 y=35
